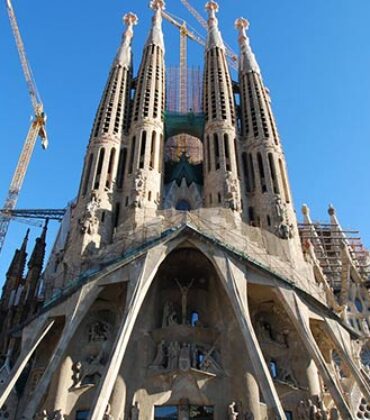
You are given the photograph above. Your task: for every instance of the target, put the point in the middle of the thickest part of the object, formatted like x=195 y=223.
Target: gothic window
x=227 y=153
x=209 y=163
x=142 y=150
x=87 y=174
x=152 y=150
x=112 y=158
x=273 y=173
x=217 y=151
x=285 y=183
x=121 y=167
x=237 y=158
x=246 y=171
x=251 y=173
x=132 y=155
x=99 y=168
x=261 y=173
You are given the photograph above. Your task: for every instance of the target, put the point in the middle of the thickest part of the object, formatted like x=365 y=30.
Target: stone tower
x=266 y=182
x=180 y=287
x=221 y=179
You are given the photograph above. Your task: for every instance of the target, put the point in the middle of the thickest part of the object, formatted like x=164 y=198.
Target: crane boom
x=233 y=57
x=37 y=129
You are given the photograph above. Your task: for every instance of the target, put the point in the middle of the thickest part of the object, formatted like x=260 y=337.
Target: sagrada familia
x=185 y=288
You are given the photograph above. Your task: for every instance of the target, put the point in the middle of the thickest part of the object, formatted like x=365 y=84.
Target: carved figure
x=135 y=411
x=92 y=370
x=231 y=411
x=89 y=221
x=184 y=290
x=173 y=355
x=159 y=361
x=77 y=373
x=231 y=192
x=139 y=191
x=57 y=415
x=184 y=359
x=172 y=319
x=280 y=209
x=167 y=311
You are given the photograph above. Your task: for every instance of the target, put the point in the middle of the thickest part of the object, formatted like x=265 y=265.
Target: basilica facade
x=181 y=285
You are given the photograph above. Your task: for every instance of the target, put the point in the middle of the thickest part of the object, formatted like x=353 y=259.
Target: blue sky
x=314 y=56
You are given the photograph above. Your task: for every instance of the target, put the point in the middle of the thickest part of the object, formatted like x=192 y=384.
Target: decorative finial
x=305 y=210
x=157 y=5
x=212 y=7
x=130 y=19
x=331 y=210
x=242 y=24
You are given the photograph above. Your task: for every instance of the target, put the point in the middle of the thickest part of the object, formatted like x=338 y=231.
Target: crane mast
x=37 y=129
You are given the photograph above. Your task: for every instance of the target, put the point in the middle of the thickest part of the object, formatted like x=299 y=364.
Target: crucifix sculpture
x=184 y=290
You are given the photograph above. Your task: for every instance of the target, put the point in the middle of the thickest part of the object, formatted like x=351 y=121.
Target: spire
x=156 y=35
x=124 y=53
x=37 y=257
x=214 y=38
x=247 y=62
x=18 y=263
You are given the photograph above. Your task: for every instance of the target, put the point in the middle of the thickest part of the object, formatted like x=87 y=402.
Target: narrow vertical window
x=237 y=158
x=273 y=173
x=251 y=216
x=251 y=173
x=132 y=155
x=245 y=172
x=87 y=175
x=261 y=172
x=142 y=150
x=116 y=215
x=112 y=159
x=99 y=169
x=152 y=149
x=209 y=155
x=285 y=183
x=217 y=151
x=227 y=153
x=121 y=167
x=160 y=157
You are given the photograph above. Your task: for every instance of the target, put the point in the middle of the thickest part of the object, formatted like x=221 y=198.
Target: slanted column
x=313 y=380
x=143 y=179
x=263 y=164
x=221 y=180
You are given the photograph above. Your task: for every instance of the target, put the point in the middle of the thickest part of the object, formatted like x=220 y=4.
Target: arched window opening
x=117 y=211
x=142 y=150
x=132 y=155
x=217 y=151
x=237 y=158
x=121 y=167
x=219 y=197
x=245 y=172
x=273 y=174
x=112 y=159
x=227 y=152
x=273 y=369
x=261 y=173
x=99 y=168
x=194 y=319
x=251 y=173
x=149 y=196
x=87 y=175
x=152 y=150
x=251 y=216
x=183 y=205
x=268 y=220
x=285 y=183
x=209 y=162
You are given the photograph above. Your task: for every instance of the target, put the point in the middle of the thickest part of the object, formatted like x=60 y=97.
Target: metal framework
x=37 y=129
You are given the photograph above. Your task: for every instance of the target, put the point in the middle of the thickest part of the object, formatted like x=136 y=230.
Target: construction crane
x=233 y=57
x=185 y=33
x=37 y=129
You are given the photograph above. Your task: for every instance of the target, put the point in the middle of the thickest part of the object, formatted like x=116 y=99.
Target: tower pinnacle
x=124 y=52
x=214 y=36
x=248 y=60
x=156 y=35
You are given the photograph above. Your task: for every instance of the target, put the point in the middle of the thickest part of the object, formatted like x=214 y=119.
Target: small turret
x=221 y=178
